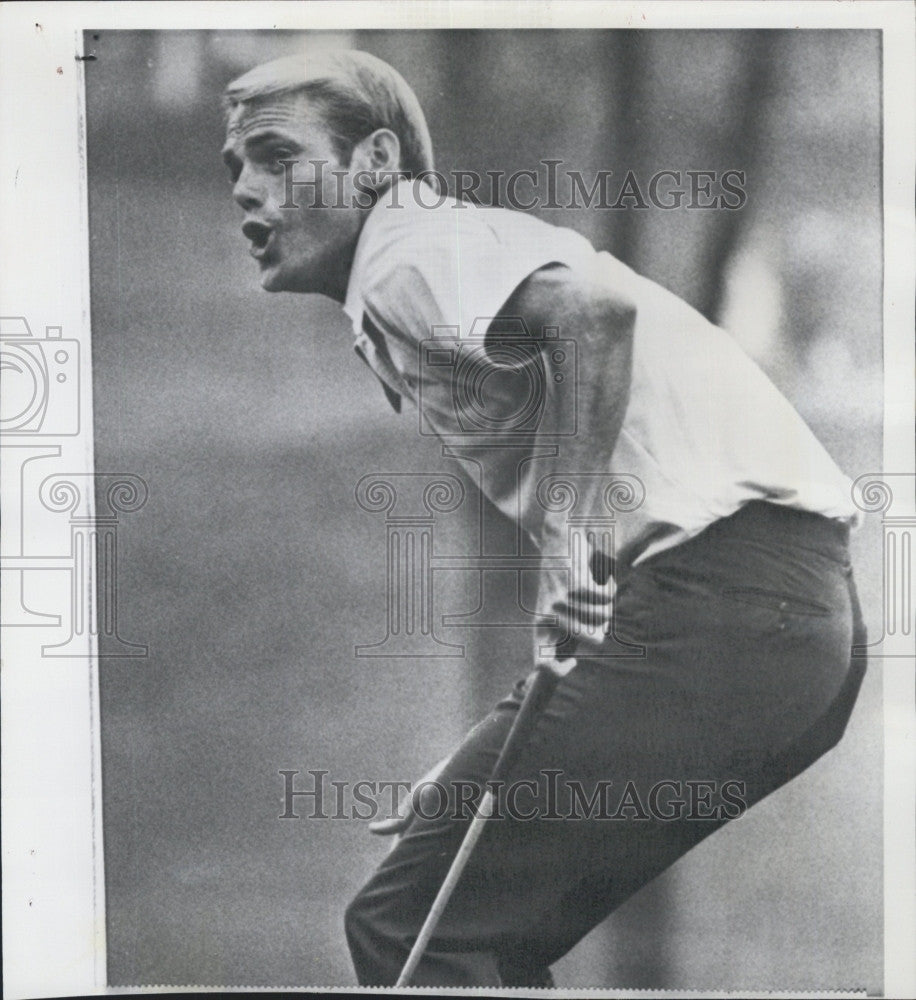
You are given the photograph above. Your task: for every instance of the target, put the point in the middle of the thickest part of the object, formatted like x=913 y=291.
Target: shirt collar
x=354 y=302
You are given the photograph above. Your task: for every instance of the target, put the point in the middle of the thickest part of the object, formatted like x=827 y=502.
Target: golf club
x=536 y=698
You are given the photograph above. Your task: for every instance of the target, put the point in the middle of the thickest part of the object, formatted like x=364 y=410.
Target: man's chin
x=275 y=279
x=272 y=280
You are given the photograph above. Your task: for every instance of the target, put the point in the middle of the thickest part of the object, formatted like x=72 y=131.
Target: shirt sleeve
x=450 y=266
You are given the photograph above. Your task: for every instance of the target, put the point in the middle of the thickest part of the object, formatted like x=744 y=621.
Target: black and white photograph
x=458 y=497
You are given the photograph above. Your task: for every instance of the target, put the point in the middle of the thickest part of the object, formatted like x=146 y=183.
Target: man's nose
x=247 y=192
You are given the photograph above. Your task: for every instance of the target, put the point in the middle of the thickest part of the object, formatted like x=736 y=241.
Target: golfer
x=729 y=588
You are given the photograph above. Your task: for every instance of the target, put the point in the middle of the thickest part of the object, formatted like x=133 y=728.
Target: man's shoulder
x=424 y=259
x=413 y=211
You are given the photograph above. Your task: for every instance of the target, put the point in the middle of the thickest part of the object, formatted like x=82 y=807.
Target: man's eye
x=280 y=154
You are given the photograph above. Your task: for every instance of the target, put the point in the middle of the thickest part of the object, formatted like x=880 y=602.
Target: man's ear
x=379 y=152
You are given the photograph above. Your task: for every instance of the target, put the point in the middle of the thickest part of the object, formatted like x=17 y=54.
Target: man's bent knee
x=370 y=951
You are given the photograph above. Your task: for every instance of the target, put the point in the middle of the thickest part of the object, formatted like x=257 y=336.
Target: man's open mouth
x=259 y=235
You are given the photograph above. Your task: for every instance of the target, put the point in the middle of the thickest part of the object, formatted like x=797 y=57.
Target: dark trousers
x=741 y=678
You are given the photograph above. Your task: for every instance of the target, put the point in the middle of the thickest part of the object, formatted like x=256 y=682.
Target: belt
x=770 y=522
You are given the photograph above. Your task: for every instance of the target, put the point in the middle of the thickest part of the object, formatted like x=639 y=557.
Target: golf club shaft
x=536 y=697
x=446 y=889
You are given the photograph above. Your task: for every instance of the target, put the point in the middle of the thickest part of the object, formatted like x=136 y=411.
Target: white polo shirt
x=704 y=431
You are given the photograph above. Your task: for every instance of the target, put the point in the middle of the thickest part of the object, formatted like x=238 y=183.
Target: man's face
x=303 y=249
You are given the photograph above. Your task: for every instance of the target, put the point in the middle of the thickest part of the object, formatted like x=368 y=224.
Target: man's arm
x=601 y=324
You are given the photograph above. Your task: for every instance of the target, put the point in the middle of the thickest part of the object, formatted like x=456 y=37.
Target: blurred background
x=252 y=573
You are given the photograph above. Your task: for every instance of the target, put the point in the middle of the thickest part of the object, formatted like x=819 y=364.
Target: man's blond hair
x=354 y=93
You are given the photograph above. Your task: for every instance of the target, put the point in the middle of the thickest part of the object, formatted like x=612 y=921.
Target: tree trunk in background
x=755 y=86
